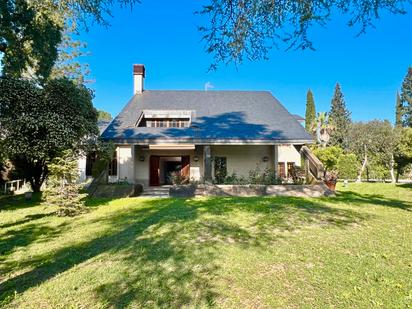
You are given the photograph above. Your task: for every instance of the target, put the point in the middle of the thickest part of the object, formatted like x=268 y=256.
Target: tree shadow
x=14 y=202
x=375 y=199
x=24 y=236
x=26 y=219
x=171 y=246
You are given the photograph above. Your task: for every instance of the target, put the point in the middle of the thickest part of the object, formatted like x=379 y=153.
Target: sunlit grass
x=353 y=250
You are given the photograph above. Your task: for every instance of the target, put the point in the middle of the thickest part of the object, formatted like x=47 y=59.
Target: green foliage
x=298 y=175
x=62 y=190
x=399 y=111
x=377 y=170
x=347 y=166
x=220 y=169
x=403 y=150
x=178 y=179
x=310 y=114
x=63 y=169
x=28 y=39
x=406 y=97
x=248 y=29
x=329 y=156
x=340 y=117
x=235 y=179
x=265 y=177
x=103 y=115
x=374 y=140
x=38 y=124
x=67 y=64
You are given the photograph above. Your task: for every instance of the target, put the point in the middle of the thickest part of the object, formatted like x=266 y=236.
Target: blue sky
x=163 y=35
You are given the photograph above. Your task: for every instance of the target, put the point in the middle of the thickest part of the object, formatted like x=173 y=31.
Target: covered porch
x=153 y=165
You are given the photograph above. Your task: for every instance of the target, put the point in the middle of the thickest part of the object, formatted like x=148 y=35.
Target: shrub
x=234 y=179
x=178 y=179
x=298 y=175
x=267 y=177
x=347 y=166
x=329 y=156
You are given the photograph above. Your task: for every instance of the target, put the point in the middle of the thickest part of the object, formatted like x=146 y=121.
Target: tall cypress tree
x=310 y=115
x=398 y=111
x=340 y=119
x=406 y=97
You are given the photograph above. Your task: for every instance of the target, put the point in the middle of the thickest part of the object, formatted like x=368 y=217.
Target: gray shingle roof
x=217 y=116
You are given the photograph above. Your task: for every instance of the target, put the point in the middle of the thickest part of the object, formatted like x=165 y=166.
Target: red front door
x=154 y=179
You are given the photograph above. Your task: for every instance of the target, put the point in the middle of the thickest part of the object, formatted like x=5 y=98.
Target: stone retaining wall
x=315 y=190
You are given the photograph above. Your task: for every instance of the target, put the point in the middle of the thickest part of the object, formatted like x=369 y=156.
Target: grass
x=353 y=250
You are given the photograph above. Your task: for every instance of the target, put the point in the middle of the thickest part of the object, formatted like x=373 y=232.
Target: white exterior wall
x=244 y=158
x=288 y=153
x=125 y=163
x=240 y=159
x=81 y=164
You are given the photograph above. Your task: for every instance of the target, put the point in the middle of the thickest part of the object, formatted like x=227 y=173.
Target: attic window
x=165 y=119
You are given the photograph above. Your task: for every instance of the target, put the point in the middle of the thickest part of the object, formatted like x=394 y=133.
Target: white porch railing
x=16 y=186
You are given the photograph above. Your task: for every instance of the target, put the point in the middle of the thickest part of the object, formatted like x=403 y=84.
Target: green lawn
x=353 y=250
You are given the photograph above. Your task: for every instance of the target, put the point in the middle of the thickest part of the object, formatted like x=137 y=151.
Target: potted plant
x=331 y=179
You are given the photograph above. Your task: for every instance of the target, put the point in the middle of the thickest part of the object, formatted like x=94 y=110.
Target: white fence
x=16 y=186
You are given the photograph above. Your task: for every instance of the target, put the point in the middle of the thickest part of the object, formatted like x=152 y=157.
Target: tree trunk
x=364 y=163
x=38 y=175
x=398 y=172
x=392 y=169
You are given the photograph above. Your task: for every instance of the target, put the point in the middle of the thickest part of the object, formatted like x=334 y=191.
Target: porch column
x=133 y=164
x=207 y=157
x=276 y=159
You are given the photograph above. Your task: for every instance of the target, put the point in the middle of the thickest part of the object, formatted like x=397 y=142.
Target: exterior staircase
x=157 y=192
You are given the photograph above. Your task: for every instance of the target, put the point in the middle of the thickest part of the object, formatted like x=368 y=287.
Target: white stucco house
x=159 y=132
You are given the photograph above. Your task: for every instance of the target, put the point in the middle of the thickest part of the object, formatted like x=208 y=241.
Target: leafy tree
x=248 y=29
x=373 y=142
x=67 y=63
x=310 y=115
x=347 y=166
x=36 y=127
x=340 y=116
x=103 y=115
x=398 y=111
x=406 y=97
x=403 y=151
x=28 y=40
x=329 y=156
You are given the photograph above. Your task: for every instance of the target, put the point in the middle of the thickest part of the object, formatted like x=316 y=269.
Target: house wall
x=81 y=164
x=240 y=159
x=288 y=153
x=244 y=158
x=125 y=163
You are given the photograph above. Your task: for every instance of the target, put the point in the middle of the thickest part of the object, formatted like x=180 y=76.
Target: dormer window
x=165 y=119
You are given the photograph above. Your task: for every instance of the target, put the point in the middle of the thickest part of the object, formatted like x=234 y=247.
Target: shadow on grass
x=14 y=202
x=25 y=236
x=170 y=246
x=26 y=219
x=372 y=199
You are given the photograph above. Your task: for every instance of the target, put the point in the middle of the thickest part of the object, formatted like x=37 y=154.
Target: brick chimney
x=138 y=78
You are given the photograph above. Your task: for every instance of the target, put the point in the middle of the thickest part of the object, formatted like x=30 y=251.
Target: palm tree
x=322 y=127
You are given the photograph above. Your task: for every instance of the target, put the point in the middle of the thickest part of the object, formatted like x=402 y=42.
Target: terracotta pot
x=331 y=184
